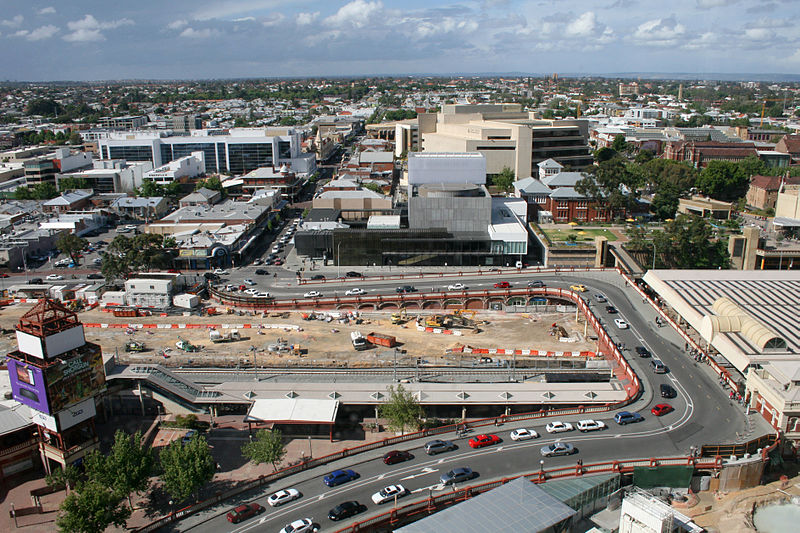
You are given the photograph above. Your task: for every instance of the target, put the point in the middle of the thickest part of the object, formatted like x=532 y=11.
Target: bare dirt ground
x=322 y=343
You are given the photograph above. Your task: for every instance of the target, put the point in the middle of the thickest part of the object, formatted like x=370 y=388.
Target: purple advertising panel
x=27 y=385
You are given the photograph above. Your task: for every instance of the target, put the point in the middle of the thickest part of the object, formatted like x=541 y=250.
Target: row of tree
x=142 y=252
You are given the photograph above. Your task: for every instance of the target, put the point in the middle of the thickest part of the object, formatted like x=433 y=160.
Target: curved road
x=703 y=415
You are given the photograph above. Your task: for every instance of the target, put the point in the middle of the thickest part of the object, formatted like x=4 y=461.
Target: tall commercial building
x=506 y=136
x=58 y=375
x=236 y=151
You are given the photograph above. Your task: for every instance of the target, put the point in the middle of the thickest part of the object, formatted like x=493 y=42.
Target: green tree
x=505 y=180
x=23 y=193
x=186 y=468
x=619 y=145
x=374 y=187
x=723 y=180
x=72 y=183
x=91 y=508
x=127 y=467
x=610 y=184
x=665 y=201
x=401 y=409
x=604 y=154
x=267 y=447
x=752 y=166
x=44 y=191
x=70 y=244
x=690 y=242
x=213 y=183
x=68 y=476
x=149 y=189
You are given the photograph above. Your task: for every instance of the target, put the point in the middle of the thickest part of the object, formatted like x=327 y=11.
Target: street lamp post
x=654 y=255
x=338 y=264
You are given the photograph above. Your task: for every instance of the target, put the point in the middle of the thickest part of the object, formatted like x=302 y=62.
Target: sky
x=200 y=39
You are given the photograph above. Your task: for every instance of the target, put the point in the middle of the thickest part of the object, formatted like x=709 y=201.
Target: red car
x=502 y=285
x=661 y=409
x=243 y=512
x=396 y=456
x=483 y=440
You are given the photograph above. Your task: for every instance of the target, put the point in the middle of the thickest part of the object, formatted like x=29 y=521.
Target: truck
x=134 y=346
x=186 y=346
x=400 y=317
x=380 y=339
x=216 y=337
x=358 y=340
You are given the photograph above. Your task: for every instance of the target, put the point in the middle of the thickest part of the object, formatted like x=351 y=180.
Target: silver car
x=558 y=448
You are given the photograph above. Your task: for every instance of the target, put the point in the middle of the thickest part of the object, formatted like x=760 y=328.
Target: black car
x=211 y=276
x=611 y=310
x=318 y=276
x=35 y=281
x=261 y=272
x=668 y=392
x=406 y=288
x=536 y=284
x=641 y=351
x=346 y=510
x=354 y=274
x=94 y=275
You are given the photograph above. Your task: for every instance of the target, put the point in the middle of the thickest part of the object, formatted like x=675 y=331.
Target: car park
x=502 y=285
x=304 y=525
x=480 y=441
x=590 y=425
x=396 y=456
x=283 y=496
x=243 y=512
x=438 y=446
x=661 y=409
x=524 y=434
x=337 y=477
x=312 y=294
x=667 y=391
x=346 y=510
x=611 y=310
x=558 y=448
x=557 y=426
x=457 y=287
x=641 y=351
x=389 y=493
x=457 y=475
x=54 y=277
x=621 y=324
x=355 y=292
x=536 y=284
x=600 y=298
x=626 y=417
x=578 y=288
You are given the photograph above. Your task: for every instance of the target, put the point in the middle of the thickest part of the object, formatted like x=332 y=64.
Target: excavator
x=400 y=318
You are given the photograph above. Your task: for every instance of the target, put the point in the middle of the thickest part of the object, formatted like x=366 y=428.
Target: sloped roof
x=549 y=163
x=69 y=198
x=563 y=179
x=532 y=186
x=566 y=192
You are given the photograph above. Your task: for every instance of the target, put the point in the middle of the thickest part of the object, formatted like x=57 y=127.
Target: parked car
x=626 y=417
x=621 y=324
x=249 y=281
x=283 y=496
x=641 y=351
x=304 y=525
x=346 y=510
x=536 y=284
x=590 y=425
x=355 y=292
x=480 y=441
x=611 y=310
x=557 y=426
x=558 y=448
x=457 y=475
x=187 y=438
x=396 y=456
x=457 y=287
x=502 y=285
x=661 y=409
x=667 y=391
x=438 y=446
x=389 y=493
x=405 y=288
x=524 y=434
x=312 y=294
x=337 y=477
x=243 y=512
x=578 y=288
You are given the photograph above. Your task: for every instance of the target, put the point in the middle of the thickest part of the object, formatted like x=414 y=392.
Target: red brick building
x=557 y=195
x=700 y=153
x=790 y=144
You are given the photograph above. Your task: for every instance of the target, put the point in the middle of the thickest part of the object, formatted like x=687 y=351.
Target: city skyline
x=90 y=40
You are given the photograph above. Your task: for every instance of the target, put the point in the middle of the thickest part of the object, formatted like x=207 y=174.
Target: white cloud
x=42 y=32
x=230 y=8
x=584 y=26
x=660 y=32
x=245 y=19
x=14 y=22
x=47 y=11
x=710 y=4
x=177 y=24
x=758 y=34
x=304 y=19
x=204 y=33
x=356 y=13
x=89 y=29
x=274 y=19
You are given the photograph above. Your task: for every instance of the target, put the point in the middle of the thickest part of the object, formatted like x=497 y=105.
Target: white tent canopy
x=293 y=411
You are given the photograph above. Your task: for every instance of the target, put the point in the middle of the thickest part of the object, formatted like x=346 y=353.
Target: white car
x=303 y=525
x=355 y=292
x=388 y=494
x=54 y=277
x=312 y=294
x=262 y=295
x=621 y=324
x=220 y=272
x=249 y=281
x=457 y=287
x=590 y=425
x=524 y=434
x=283 y=496
x=251 y=291
x=557 y=426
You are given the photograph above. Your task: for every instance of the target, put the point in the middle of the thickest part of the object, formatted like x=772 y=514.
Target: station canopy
x=786 y=222
x=293 y=411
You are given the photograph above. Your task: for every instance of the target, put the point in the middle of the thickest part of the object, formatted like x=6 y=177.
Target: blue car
x=626 y=417
x=338 y=477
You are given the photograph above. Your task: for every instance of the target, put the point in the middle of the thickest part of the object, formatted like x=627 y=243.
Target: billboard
x=28 y=385
x=76 y=414
x=52 y=345
x=75 y=379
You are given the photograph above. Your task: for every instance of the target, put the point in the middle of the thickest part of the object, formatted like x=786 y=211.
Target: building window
x=208 y=149
x=284 y=150
x=246 y=157
x=131 y=153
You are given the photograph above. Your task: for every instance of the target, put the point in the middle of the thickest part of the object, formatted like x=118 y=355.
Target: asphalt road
x=703 y=414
